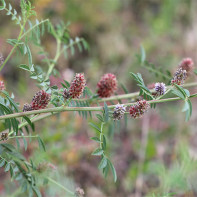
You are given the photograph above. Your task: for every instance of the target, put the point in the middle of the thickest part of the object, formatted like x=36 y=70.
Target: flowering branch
x=63 y=109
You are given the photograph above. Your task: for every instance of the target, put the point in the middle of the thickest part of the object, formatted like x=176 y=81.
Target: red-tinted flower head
x=2 y=85
x=107 y=85
x=77 y=86
x=138 y=110
x=40 y=100
x=187 y=64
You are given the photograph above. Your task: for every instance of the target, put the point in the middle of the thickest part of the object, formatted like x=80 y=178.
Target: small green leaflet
x=143 y=54
x=103 y=163
x=106 y=110
x=112 y=169
x=98 y=152
x=95 y=127
x=41 y=144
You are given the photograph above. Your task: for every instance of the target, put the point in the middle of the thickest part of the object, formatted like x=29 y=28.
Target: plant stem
x=12 y=51
x=130 y=95
x=61 y=186
x=57 y=55
x=63 y=108
x=36 y=136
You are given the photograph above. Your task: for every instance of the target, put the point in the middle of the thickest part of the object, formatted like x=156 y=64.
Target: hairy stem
x=57 y=55
x=63 y=108
x=130 y=95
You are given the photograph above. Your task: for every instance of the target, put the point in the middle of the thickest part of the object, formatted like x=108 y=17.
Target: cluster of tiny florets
x=40 y=100
x=79 y=192
x=187 y=64
x=138 y=110
x=27 y=107
x=76 y=87
x=119 y=111
x=107 y=85
x=179 y=77
x=2 y=85
x=160 y=88
x=66 y=93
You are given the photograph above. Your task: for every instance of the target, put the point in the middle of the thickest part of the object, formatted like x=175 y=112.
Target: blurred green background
x=154 y=155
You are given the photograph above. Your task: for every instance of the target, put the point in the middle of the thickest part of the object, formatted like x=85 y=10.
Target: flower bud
x=40 y=100
x=179 y=77
x=119 y=111
x=138 y=110
x=77 y=86
x=2 y=85
x=187 y=64
x=107 y=85
x=66 y=94
x=27 y=107
x=79 y=192
x=160 y=88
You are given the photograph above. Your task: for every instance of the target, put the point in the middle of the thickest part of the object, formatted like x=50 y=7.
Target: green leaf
x=24 y=67
x=29 y=55
x=7 y=167
x=185 y=107
x=41 y=144
x=95 y=139
x=37 y=192
x=11 y=171
x=2 y=163
x=124 y=89
x=143 y=54
x=25 y=143
x=181 y=89
x=98 y=152
x=178 y=93
x=95 y=127
x=29 y=122
x=113 y=170
x=103 y=163
x=2 y=5
x=106 y=110
x=100 y=117
x=104 y=143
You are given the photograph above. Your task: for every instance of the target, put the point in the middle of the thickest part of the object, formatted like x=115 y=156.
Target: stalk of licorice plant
x=72 y=97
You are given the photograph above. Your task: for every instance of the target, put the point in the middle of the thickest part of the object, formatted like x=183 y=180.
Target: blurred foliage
x=115 y=31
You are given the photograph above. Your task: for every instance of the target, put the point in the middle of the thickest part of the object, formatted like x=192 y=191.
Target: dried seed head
x=107 y=85
x=79 y=192
x=40 y=100
x=138 y=110
x=2 y=85
x=1 y=59
x=119 y=111
x=27 y=107
x=66 y=94
x=4 y=136
x=187 y=64
x=160 y=88
x=179 y=77
x=77 y=86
